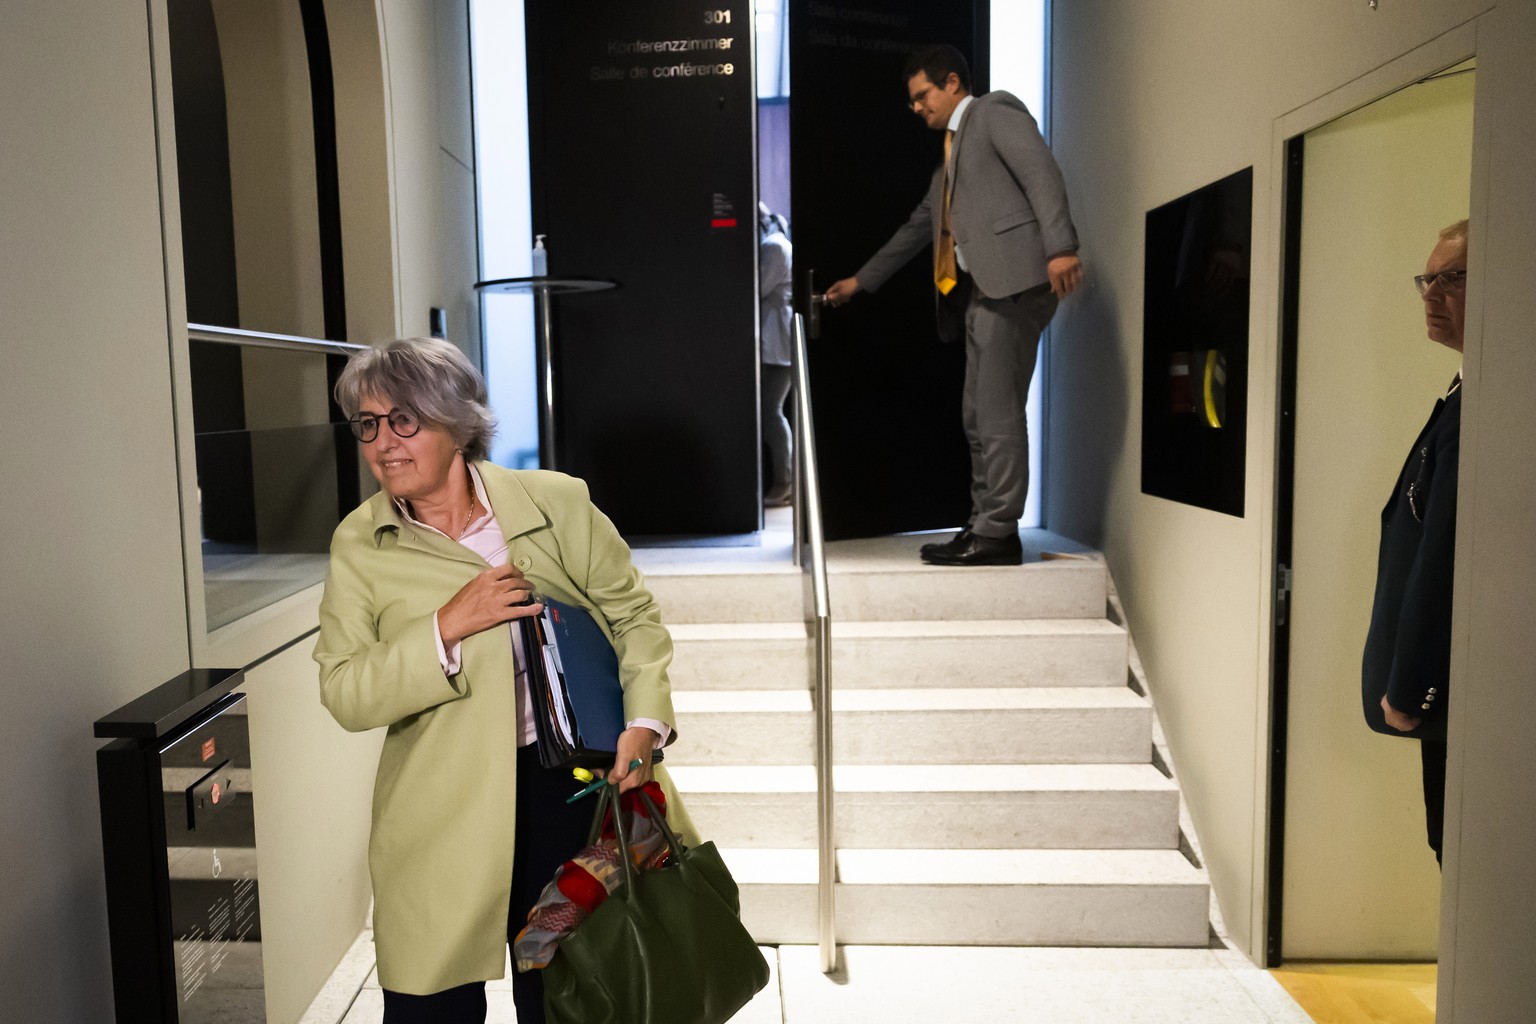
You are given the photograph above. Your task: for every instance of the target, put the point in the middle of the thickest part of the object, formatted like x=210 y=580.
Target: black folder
x=573 y=679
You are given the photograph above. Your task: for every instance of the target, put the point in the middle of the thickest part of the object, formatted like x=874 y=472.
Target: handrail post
x=808 y=532
x=796 y=445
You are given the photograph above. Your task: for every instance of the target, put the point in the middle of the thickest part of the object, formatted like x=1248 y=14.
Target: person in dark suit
x=1406 y=673
x=1005 y=252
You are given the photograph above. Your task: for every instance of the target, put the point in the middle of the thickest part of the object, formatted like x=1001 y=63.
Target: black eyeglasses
x=365 y=427
x=920 y=97
x=1448 y=280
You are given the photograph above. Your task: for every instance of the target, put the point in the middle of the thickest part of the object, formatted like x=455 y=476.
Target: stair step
x=978 y=897
x=776 y=593
x=1020 y=725
x=770 y=594
x=1089 y=806
x=1014 y=806
x=1037 y=590
x=772 y=655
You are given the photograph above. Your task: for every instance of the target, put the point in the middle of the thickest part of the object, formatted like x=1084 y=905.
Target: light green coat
x=444 y=800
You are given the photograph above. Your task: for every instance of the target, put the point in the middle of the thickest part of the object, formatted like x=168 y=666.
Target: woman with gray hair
x=425 y=578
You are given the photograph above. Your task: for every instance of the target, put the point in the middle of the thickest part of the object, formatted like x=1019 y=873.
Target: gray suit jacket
x=1008 y=207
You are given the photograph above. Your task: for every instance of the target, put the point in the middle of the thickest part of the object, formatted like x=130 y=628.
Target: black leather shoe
x=979 y=550
x=945 y=547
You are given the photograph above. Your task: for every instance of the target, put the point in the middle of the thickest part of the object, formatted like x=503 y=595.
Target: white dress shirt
x=483 y=537
x=954 y=147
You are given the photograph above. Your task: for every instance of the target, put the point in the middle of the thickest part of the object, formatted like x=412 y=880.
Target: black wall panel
x=641 y=124
x=1194 y=409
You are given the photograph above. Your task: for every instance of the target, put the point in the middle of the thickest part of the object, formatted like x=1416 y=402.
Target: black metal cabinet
x=179 y=844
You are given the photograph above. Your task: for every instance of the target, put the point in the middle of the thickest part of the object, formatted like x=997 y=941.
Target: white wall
x=90 y=532
x=312 y=783
x=432 y=155
x=1151 y=101
x=1361 y=883
x=1489 y=906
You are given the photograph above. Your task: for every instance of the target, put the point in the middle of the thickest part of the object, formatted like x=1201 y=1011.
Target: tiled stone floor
x=925 y=985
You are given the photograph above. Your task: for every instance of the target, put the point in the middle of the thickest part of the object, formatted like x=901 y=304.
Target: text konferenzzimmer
x=618 y=48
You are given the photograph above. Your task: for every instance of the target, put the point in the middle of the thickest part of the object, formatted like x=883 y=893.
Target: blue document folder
x=573 y=678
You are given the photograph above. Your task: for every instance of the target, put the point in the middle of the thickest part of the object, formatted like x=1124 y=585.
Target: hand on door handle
x=842 y=291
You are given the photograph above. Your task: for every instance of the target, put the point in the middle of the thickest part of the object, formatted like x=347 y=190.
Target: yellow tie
x=945 y=272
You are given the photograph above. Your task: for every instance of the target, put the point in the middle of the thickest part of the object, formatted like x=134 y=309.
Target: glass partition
x=277 y=469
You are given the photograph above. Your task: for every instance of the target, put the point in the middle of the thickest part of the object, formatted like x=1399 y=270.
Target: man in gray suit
x=1005 y=253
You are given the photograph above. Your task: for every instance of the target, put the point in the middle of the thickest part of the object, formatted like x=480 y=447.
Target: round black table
x=542 y=288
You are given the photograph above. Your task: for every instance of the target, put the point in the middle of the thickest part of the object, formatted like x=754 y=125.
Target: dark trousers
x=1432 y=753
x=549 y=832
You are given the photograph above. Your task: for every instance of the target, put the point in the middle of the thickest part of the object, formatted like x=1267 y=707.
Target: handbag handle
x=596 y=829
x=674 y=844
x=608 y=796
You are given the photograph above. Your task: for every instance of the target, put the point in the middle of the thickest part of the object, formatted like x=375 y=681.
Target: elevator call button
x=209 y=794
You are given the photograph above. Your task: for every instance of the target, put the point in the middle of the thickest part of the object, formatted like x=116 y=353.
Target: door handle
x=813 y=305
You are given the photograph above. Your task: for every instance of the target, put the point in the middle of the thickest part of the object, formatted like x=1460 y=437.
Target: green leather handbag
x=668 y=947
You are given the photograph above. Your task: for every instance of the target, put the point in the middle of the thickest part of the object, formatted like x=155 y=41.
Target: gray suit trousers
x=1002 y=339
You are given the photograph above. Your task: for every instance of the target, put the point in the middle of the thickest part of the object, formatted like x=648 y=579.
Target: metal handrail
x=263 y=339
x=808 y=539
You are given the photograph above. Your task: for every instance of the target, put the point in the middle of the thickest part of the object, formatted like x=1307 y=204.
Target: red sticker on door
x=208 y=749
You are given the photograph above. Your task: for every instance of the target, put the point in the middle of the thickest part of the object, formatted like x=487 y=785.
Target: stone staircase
x=995 y=782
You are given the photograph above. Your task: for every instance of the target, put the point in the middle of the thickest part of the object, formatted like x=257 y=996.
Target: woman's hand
x=635 y=744
x=499 y=594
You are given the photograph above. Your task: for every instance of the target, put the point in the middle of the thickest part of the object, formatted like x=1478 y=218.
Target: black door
x=886 y=393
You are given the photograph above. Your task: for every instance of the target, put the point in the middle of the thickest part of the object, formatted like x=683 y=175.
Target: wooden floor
x=1335 y=993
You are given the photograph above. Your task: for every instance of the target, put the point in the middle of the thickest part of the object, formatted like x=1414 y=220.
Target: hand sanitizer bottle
x=540 y=257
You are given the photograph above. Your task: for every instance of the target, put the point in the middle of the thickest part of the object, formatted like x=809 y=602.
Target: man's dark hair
x=938 y=63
